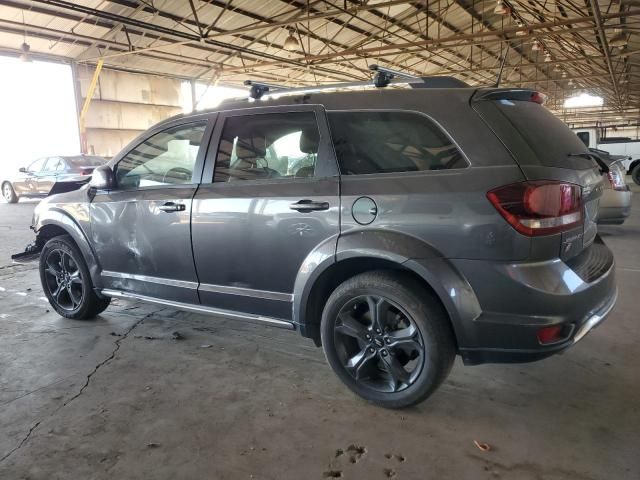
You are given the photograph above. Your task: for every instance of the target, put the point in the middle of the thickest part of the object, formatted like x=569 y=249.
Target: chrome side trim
x=250 y=317
x=595 y=319
x=247 y=292
x=149 y=279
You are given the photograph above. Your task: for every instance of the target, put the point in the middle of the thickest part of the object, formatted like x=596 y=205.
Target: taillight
x=538 y=97
x=616 y=179
x=539 y=207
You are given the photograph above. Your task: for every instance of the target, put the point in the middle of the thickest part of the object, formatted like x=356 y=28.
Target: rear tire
x=9 y=193
x=396 y=357
x=635 y=174
x=66 y=281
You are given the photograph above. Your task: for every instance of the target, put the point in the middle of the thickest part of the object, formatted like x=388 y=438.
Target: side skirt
x=247 y=317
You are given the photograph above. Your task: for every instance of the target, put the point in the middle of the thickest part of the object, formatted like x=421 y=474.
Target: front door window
x=166 y=158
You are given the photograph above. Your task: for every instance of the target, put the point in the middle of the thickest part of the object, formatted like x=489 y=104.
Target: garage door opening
x=38 y=112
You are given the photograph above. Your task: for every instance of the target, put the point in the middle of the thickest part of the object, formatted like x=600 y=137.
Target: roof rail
x=383 y=78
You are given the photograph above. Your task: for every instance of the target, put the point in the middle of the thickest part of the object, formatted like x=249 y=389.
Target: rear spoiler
x=519 y=94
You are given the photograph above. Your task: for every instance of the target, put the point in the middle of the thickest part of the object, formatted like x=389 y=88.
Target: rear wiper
x=604 y=168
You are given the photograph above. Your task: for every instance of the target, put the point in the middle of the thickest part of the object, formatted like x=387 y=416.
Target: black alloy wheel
x=378 y=343
x=388 y=337
x=66 y=281
x=63 y=280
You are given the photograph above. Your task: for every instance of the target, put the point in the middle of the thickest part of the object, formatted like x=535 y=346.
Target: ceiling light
x=501 y=8
x=291 y=43
x=547 y=57
x=570 y=83
x=564 y=74
x=24 y=56
x=619 y=38
x=557 y=68
x=535 y=45
x=583 y=100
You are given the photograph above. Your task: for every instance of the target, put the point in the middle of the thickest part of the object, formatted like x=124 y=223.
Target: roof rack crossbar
x=258 y=89
x=384 y=76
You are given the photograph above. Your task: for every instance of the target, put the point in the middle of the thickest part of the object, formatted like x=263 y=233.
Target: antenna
x=384 y=76
x=504 y=58
x=258 y=89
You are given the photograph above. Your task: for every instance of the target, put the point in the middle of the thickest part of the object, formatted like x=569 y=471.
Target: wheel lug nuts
x=384 y=353
x=371 y=350
x=388 y=340
x=377 y=330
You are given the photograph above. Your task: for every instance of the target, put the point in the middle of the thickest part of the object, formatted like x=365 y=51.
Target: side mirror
x=102 y=178
x=22 y=170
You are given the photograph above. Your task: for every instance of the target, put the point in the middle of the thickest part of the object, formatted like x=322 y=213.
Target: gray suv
x=396 y=228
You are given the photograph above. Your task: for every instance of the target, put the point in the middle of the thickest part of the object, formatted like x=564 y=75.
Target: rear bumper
x=615 y=207
x=517 y=300
x=476 y=356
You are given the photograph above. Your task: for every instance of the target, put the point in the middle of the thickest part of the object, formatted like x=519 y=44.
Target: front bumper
x=517 y=300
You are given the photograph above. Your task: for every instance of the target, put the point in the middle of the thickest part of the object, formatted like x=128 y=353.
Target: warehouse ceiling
x=562 y=47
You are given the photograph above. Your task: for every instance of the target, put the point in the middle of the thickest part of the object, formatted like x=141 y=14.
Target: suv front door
x=141 y=228
x=274 y=198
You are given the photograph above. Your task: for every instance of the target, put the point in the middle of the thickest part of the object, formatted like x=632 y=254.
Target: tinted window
x=270 y=145
x=166 y=158
x=383 y=142
x=37 y=165
x=584 y=136
x=548 y=139
x=54 y=164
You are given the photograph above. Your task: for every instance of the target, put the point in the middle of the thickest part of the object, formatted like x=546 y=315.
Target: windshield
x=85 y=161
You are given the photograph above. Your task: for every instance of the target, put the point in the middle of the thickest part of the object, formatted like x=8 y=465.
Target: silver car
x=49 y=175
x=615 y=203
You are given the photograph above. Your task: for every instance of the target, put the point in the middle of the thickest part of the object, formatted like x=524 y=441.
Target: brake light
x=539 y=207
x=538 y=97
x=616 y=179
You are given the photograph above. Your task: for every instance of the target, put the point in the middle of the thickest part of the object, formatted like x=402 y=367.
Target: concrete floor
x=118 y=397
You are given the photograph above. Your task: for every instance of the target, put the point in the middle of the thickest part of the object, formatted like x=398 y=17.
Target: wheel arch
x=376 y=250
x=55 y=223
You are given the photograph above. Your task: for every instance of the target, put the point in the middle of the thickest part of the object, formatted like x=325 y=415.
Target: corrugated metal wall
x=124 y=105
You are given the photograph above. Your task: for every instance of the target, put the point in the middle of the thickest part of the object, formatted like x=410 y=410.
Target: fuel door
x=364 y=210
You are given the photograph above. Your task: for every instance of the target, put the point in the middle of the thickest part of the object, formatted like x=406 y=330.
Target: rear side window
x=385 y=142
x=268 y=146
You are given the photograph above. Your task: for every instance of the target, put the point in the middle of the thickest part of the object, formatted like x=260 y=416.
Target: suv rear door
x=141 y=228
x=272 y=199
x=545 y=149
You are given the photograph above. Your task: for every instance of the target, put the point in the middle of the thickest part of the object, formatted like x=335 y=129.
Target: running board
x=247 y=317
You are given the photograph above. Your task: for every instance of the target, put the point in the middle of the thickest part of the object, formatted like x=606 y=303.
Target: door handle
x=306 y=206
x=172 y=207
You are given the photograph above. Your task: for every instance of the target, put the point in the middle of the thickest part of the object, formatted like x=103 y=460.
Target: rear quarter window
x=368 y=142
x=533 y=134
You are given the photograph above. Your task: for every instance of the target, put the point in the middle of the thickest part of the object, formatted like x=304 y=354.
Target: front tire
x=387 y=338
x=66 y=281
x=9 y=193
x=635 y=174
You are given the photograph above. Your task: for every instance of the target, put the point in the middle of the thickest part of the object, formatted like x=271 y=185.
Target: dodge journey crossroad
x=396 y=228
